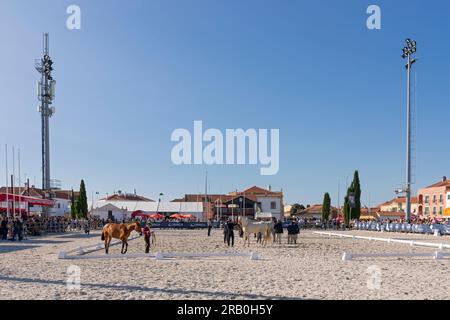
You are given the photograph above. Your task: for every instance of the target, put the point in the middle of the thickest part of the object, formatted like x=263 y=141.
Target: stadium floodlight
x=408 y=52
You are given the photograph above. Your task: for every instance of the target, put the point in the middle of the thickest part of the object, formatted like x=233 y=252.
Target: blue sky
x=137 y=70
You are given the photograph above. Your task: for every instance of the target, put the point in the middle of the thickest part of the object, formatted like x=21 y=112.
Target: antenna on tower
x=46 y=94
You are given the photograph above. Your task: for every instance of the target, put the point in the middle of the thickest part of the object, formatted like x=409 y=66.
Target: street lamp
x=408 y=52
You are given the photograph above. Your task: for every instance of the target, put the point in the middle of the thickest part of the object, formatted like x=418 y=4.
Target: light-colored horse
x=249 y=227
x=119 y=231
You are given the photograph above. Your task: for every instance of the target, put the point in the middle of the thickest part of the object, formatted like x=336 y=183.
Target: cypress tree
x=346 y=209
x=73 y=206
x=326 y=207
x=82 y=206
x=356 y=188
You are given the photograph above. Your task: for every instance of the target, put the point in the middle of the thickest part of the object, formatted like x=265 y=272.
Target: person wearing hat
x=147 y=232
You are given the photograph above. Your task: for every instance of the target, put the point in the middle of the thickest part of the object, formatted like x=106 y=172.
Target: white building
x=110 y=211
x=267 y=200
x=123 y=206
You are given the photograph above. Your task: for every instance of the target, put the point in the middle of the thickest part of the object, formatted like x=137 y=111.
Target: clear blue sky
x=139 y=69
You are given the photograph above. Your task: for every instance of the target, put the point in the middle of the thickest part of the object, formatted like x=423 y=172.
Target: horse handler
x=147 y=233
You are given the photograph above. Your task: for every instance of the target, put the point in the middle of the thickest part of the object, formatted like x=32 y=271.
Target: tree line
x=352 y=202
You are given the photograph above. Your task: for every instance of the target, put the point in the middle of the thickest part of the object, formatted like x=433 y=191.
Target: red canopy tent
x=31 y=200
x=176 y=216
x=140 y=213
x=156 y=216
x=15 y=198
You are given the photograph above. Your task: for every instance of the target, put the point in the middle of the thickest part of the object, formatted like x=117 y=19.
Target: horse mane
x=133 y=225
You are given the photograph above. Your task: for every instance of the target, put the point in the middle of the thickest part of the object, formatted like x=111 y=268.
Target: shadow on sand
x=7 y=248
x=79 y=236
x=215 y=294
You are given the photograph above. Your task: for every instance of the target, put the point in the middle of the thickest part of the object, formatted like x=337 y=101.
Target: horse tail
x=103 y=235
x=268 y=232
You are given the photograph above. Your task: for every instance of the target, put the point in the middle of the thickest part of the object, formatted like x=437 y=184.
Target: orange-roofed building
x=399 y=205
x=435 y=199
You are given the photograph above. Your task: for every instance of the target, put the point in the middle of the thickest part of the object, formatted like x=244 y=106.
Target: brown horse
x=119 y=231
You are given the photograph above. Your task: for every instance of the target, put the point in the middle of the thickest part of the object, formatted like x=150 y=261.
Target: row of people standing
x=12 y=227
x=293 y=231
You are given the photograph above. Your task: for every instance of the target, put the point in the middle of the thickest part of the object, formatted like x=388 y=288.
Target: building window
x=273 y=205
x=427 y=210
x=434 y=210
x=448 y=196
x=427 y=199
x=434 y=198
x=441 y=198
x=440 y=210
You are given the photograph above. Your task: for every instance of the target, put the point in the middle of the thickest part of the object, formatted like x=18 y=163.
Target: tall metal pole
x=46 y=93
x=408 y=142
x=339 y=199
x=7 y=191
x=20 y=187
x=408 y=51
x=13 y=177
x=206 y=195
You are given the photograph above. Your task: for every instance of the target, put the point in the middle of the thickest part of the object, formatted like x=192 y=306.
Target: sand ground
x=311 y=269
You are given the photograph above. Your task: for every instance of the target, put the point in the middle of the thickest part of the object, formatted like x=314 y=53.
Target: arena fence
x=81 y=253
x=157 y=255
x=38 y=228
x=440 y=246
x=347 y=256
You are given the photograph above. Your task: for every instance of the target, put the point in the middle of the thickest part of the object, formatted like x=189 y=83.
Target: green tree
x=73 y=206
x=347 y=209
x=295 y=209
x=82 y=206
x=354 y=188
x=326 y=207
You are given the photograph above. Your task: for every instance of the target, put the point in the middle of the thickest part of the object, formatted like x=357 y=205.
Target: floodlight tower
x=408 y=53
x=46 y=94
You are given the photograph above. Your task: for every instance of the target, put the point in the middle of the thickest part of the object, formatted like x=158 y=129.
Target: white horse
x=249 y=227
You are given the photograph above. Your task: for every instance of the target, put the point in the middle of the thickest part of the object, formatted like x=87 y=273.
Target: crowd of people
x=18 y=228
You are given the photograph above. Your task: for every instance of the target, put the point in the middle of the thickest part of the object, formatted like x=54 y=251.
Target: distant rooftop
x=127 y=197
x=443 y=183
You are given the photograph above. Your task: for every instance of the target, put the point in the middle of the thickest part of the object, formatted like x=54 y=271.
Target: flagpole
x=20 y=187
x=13 y=182
x=7 y=178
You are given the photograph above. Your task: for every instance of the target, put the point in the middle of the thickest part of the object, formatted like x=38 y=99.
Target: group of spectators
x=10 y=228
x=16 y=228
x=293 y=230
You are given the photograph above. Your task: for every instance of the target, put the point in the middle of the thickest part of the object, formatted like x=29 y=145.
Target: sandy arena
x=312 y=269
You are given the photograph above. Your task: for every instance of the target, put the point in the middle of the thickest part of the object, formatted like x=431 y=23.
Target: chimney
x=444 y=179
x=270 y=187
